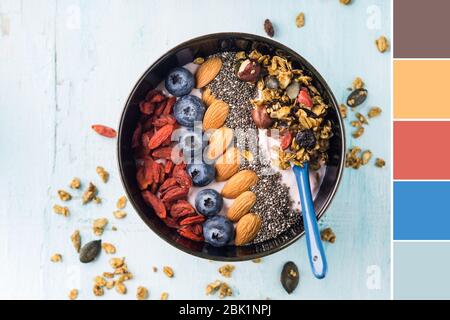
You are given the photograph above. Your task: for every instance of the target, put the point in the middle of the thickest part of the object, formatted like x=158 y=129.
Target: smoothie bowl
x=208 y=137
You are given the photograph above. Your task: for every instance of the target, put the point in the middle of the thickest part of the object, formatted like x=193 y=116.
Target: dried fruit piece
x=109 y=248
x=328 y=235
x=300 y=20
x=290 y=277
x=268 y=28
x=168 y=271
x=286 y=139
x=208 y=71
x=141 y=293
x=357 y=97
x=90 y=251
x=104 y=131
x=219 y=141
x=182 y=178
x=227 y=164
x=56 y=258
x=241 y=206
x=226 y=270
x=76 y=240
x=98 y=227
x=181 y=208
x=239 y=183
x=75 y=183
x=304 y=98
x=187 y=233
x=73 y=294
x=174 y=195
x=215 y=115
x=247 y=228
x=155 y=203
x=119 y=214
x=64 y=195
x=164 y=296
x=382 y=44
x=306 y=139
x=102 y=173
x=192 y=220
x=63 y=211
x=90 y=193
x=160 y=136
x=380 y=163
x=121 y=202
x=374 y=112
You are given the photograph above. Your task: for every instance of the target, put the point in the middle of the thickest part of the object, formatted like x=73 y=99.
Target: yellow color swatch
x=421 y=89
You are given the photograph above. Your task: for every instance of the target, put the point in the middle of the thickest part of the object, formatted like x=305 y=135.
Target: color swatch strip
x=421 y=150
x=422 y=210
x=421 y=29
x=421 y=89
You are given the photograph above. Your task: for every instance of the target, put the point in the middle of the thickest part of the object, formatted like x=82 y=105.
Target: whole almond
x=239 y=183
x=215 y=115
x=219 y=141
x=241 y=206
x=207 y=97
x=208 y=71
x=247 y=228
x=227 y=165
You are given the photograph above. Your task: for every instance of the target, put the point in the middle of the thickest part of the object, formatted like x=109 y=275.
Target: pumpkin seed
x=290 y=277
x=357 y=97
x=90 y=251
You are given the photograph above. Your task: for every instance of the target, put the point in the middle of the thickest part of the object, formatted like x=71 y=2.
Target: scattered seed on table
x=56 y=257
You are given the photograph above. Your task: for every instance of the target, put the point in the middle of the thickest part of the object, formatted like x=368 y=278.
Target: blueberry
x=202 y=173
x=306 y=139
x=208 y=202
x=191 y=142
x=188 y=110
x=218 y=231
x=180 y=82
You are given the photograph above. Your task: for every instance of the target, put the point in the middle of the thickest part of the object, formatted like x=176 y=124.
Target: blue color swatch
x=422 y=210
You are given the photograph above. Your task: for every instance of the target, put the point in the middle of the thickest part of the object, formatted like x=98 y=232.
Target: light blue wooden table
x=66 y=64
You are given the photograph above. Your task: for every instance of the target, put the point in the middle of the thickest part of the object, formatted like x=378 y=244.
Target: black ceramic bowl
x=181 y=55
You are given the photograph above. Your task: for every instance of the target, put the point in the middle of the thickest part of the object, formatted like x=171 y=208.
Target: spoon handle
x=314 y=244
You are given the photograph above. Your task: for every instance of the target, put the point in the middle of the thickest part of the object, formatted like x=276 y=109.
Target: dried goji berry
x=175 y=194
x=160 y=108
x=159 y=97
x=178 y=166
x=160 y=135
x=169 y=105
x=285 y=139
x=171 y=223
x=148 y=165
x=304 y=98
x=163 y=120
x=136 y=136
x=170 y=182
x=104 y=131
x=155 y=203
x=196 y=228
x=181 y=208
x=154 y=187
x=141 y=178
x=162 y=153
x=146 y=107
x=187 y=233
x=153 y=93
x=192 y=220
x=183 y=178
x=145 y=138
x=169 y=189
x=168 y=167
x=155 y=170
x=162 y=174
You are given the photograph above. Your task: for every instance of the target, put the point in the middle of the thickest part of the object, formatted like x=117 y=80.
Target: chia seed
x=273 y=202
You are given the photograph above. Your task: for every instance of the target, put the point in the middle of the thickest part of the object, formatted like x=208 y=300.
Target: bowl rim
x=272 y=43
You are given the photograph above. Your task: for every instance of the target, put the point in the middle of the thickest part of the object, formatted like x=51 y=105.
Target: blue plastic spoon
x=314 y=244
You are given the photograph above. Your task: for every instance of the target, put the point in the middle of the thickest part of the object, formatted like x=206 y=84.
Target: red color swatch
x=422 y=150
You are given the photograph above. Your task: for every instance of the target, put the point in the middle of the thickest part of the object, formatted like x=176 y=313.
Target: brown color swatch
x=421 y=29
